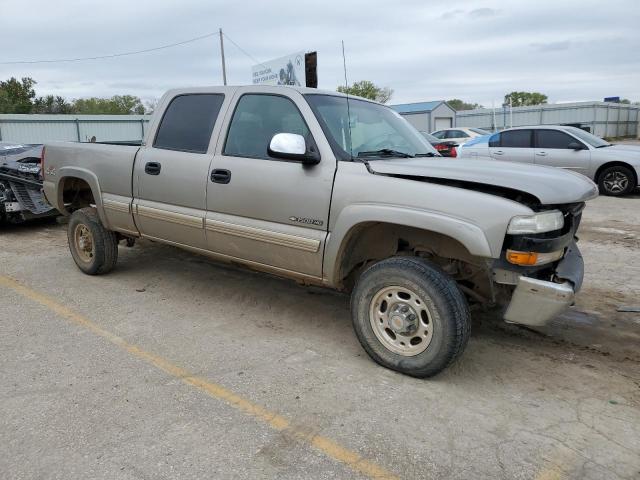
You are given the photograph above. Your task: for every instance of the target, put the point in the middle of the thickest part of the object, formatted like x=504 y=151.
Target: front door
x=552 y=148
x=512 y=145
x=263 y=210
x=170 y=174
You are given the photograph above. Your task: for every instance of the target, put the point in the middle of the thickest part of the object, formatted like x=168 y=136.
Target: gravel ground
x=124 y=376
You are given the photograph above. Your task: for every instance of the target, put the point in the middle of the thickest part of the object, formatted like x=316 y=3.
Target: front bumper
x=536 y=302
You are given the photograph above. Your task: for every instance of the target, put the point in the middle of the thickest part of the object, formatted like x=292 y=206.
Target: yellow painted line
x=327 y=446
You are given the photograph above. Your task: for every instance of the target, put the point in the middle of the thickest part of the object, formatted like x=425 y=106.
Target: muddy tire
x=410 y=316
x=616 y=181
x=93 y=247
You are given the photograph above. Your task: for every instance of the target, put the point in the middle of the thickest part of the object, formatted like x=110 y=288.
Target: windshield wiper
x=384 y=152
x=607 y=145
x=428 y=154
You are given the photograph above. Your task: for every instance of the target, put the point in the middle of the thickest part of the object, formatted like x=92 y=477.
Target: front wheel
x=93 y=247
x=410 y=316
x=616 y=181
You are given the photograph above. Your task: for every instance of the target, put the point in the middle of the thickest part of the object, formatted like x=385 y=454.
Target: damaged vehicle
x=339 y=192
x=21 y=195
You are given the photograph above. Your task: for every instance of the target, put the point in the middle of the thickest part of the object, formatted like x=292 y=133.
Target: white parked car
x=459 y=135
x=615 y=168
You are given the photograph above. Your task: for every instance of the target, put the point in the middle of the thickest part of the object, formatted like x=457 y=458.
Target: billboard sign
x=288 y=70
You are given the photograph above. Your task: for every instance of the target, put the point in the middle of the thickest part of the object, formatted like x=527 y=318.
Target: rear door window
x=553 y=139
x=439 y=135
x=516 y=139
x=188 y=122
x=456 y=134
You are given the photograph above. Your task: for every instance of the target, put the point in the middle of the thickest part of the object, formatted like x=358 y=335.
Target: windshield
x=373 y=130
x=480 y=131
x=588 y=137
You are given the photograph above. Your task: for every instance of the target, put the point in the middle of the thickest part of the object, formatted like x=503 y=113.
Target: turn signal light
x=522 y=258
x=533 y=258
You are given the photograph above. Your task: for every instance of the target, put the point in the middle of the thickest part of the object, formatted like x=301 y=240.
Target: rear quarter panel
x=106 y=168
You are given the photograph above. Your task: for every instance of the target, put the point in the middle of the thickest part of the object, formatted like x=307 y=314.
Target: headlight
x=538 y=223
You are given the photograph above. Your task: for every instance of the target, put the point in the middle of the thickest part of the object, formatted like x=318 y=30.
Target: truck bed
x=111 y=165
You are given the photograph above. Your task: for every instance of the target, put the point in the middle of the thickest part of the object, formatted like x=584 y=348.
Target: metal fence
x=600 y=118
x=72 y=128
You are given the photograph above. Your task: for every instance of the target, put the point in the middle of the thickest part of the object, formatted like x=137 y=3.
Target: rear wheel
x=93 y=247
x=617 y=180
x=410 y=316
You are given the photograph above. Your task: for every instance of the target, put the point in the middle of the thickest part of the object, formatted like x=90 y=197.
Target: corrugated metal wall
x=74 y=128
x=602 y=119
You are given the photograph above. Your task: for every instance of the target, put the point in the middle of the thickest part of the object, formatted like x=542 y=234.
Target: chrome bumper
x=536 y=302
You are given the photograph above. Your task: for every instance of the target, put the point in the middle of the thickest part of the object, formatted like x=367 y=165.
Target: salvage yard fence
x=26 y=128
x=600 y=118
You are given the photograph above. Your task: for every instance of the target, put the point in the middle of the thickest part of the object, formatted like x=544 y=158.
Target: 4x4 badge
x=308 y=221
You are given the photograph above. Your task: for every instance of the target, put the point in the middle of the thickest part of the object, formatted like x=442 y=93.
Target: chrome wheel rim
x=84 y=243
x=615 y=182
x=401 y=320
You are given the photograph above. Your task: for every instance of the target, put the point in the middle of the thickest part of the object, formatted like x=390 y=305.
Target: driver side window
x=256 y=119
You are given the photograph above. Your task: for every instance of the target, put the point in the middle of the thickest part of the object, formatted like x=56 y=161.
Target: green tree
x=116 y=105
x=16 y=95
x=524 y=99
x=458 y=104
x=51 y=104
x=367 y=89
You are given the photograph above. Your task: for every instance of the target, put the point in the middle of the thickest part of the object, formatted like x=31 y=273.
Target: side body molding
x=468 y=234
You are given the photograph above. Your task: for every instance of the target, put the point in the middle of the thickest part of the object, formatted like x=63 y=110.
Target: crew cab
x=334 y=191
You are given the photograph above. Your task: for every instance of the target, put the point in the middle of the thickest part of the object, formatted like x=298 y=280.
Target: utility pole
x=224 y=67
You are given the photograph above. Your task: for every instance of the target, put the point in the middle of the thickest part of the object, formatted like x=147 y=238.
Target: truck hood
x=549 y=185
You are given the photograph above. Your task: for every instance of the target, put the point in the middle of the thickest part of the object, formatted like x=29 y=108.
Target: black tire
x=104 y=243
x=449 y=314
x=623 y=174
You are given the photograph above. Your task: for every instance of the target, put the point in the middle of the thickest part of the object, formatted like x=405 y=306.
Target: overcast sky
x=423 y=50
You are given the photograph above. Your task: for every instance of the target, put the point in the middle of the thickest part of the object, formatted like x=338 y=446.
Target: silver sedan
x=615 y=168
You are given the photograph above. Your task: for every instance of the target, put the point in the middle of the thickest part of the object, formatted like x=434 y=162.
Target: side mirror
x=291 y=146
x=576 y=146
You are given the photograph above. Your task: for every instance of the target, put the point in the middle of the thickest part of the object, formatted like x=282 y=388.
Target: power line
x=123 y=54
x=243 y=50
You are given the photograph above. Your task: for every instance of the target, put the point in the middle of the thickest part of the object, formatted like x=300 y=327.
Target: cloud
x=451 y=14
x=483 y=12
x=551 y=46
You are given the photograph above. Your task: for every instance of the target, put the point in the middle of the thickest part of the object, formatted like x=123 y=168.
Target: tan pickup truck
x=334 y=191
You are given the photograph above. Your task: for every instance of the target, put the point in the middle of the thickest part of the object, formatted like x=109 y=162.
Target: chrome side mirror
x=291 y=146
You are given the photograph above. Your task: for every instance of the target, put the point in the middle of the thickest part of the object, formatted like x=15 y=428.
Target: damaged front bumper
x=535 y=302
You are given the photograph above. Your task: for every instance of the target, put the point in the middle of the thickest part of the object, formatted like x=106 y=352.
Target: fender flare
x=92 y=181
x=471 y=236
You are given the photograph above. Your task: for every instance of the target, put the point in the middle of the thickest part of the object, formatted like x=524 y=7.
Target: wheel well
x=602 y=168
x=76 y=193
x=371 y=242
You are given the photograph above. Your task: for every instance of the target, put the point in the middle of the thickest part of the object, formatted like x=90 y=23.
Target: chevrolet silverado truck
x=339 y=192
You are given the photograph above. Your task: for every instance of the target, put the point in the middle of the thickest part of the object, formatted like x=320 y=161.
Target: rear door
x=170 y=174
x=264 y=210
x=512 y=146
x=552 y=148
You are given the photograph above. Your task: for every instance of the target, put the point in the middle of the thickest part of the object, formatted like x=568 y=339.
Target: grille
x=30 y=198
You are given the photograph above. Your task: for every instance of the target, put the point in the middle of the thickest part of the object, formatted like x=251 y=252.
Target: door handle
x=541 y=154
x=499 y=152
x=220 y=176
x=152 y=168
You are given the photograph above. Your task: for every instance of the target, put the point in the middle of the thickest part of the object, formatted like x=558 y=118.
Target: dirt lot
x=174 y=367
